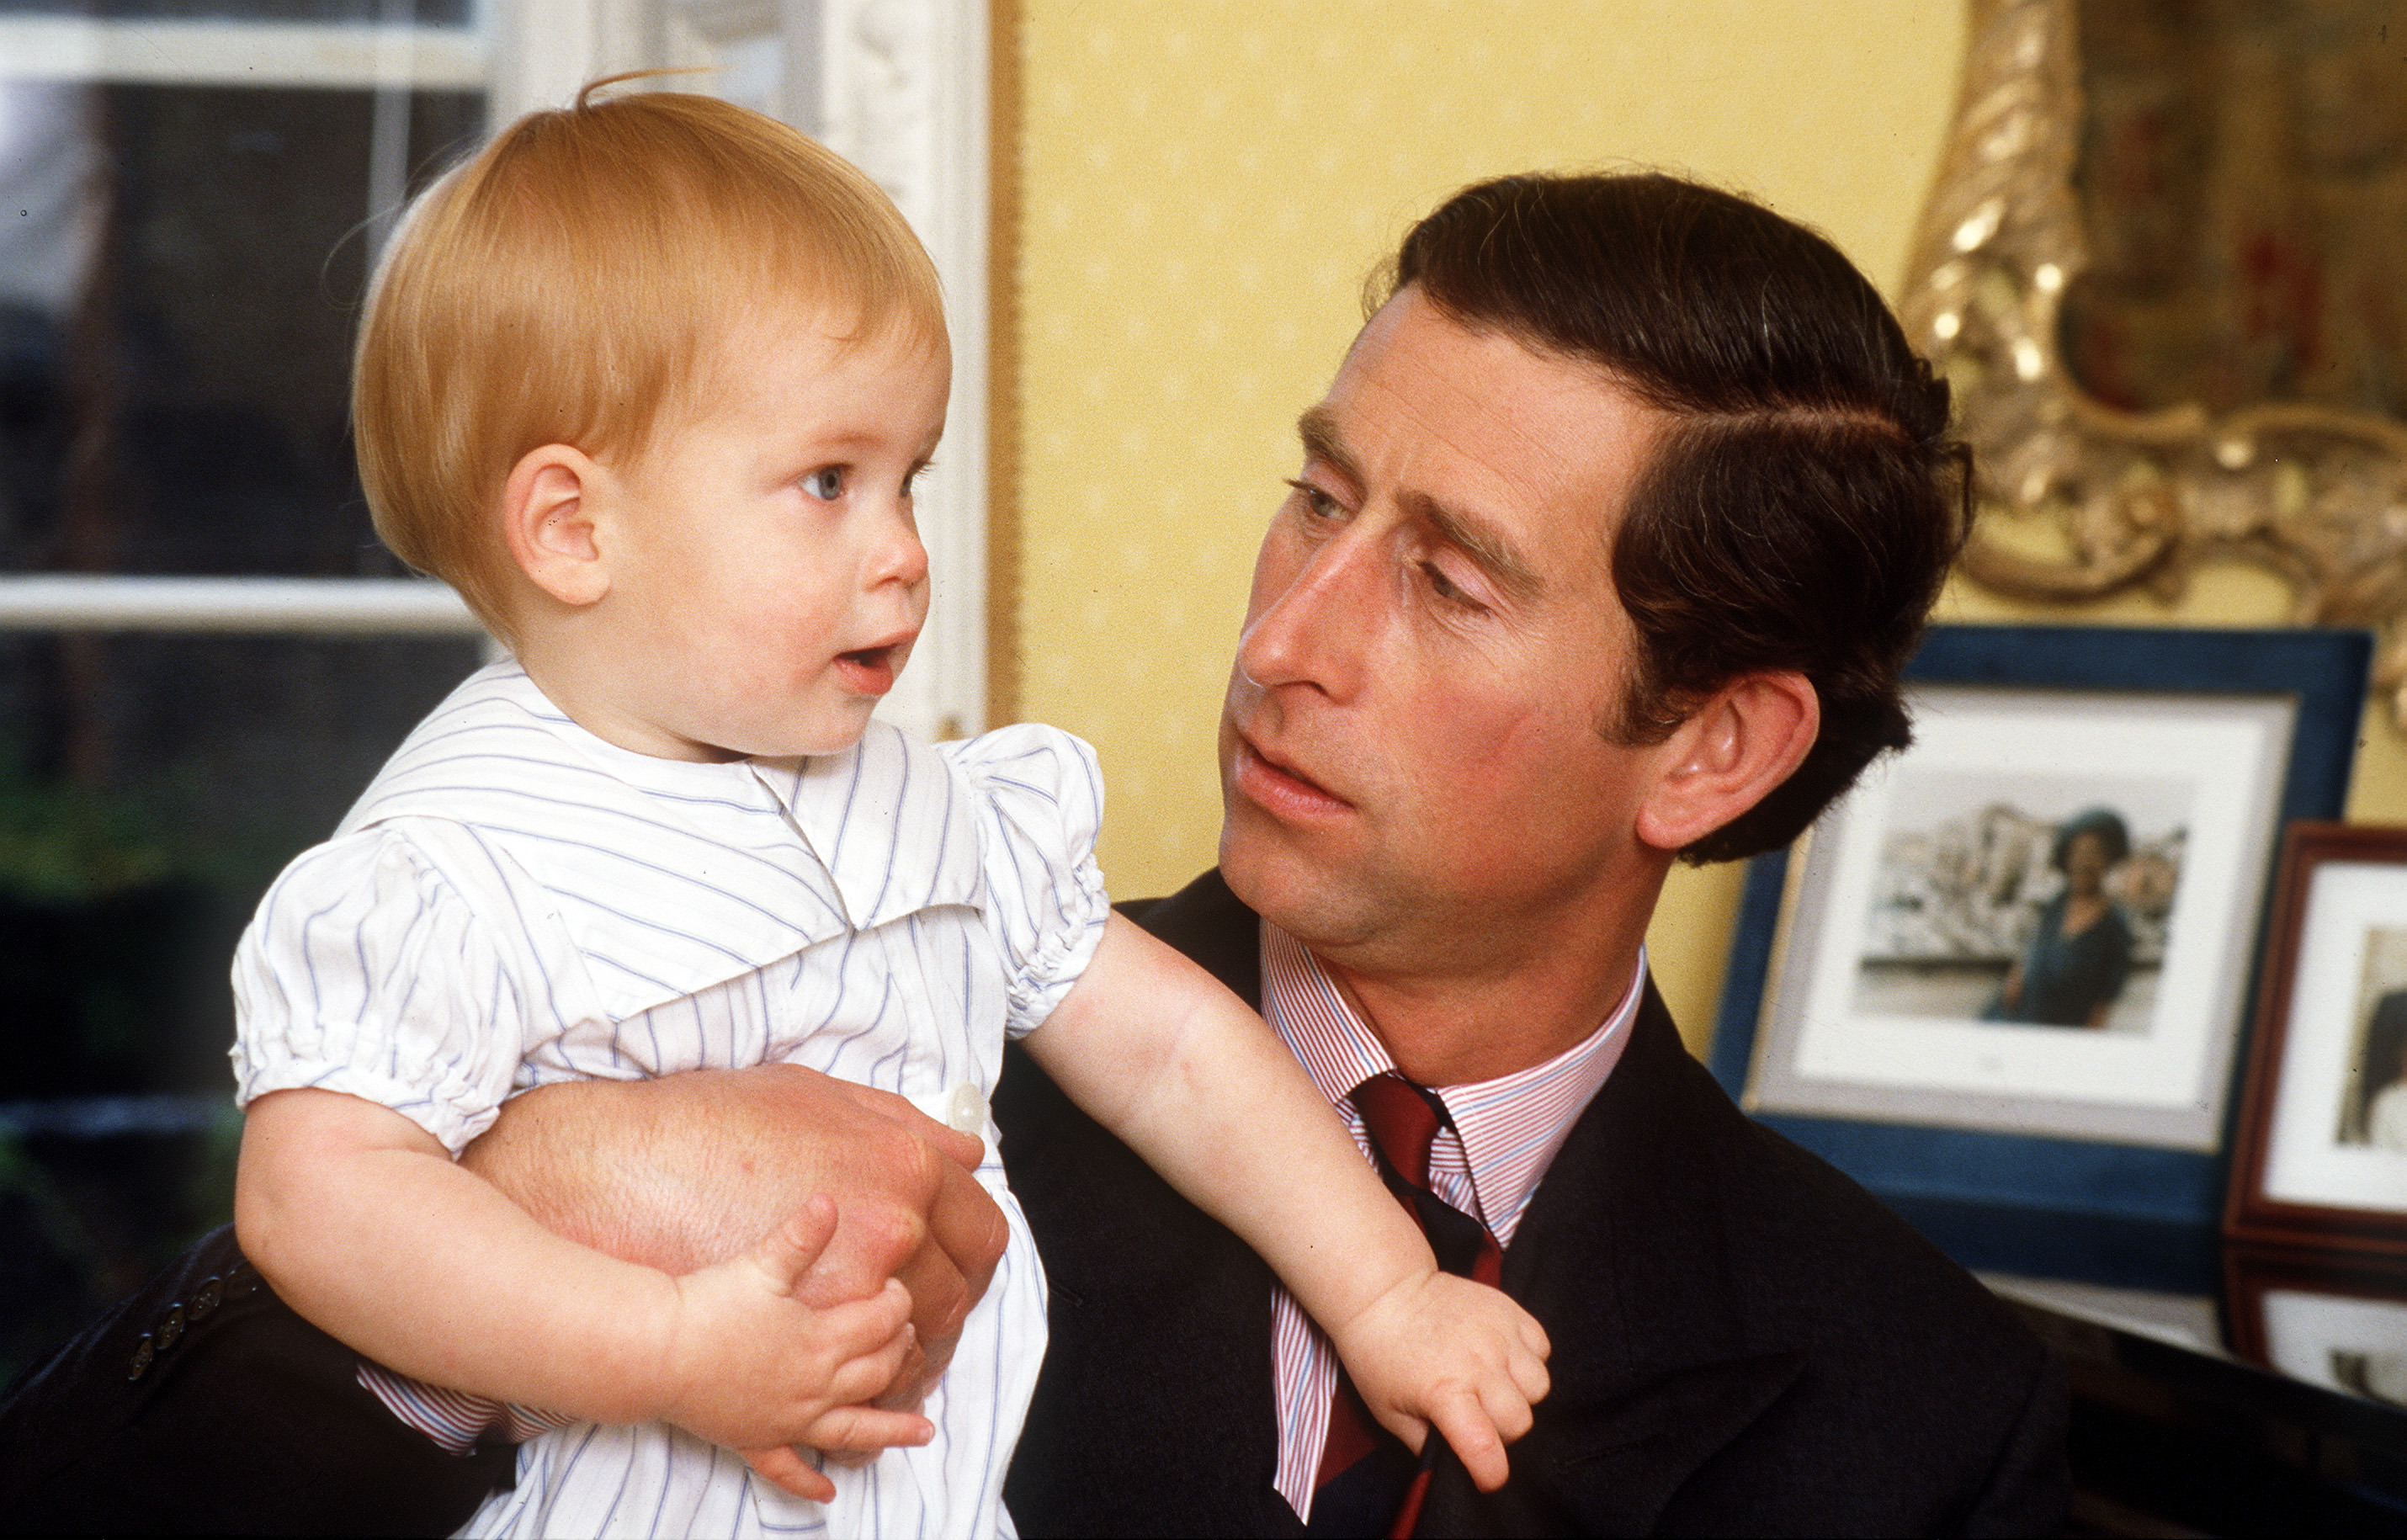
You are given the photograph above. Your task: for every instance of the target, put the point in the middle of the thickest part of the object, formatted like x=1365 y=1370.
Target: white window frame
x=899 y=87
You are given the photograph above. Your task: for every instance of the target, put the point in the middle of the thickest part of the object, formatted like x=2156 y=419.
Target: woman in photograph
x=2077 y=962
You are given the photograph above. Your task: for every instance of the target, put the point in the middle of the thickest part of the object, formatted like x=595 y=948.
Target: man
x=1610 y=539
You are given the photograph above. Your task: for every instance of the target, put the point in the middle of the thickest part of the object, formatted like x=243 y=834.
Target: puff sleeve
x=364 y=972
x=1040 y=797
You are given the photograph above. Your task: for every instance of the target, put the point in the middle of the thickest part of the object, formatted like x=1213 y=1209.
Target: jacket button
x=171 y=1327
x=142 y=1357
x=206 y=1298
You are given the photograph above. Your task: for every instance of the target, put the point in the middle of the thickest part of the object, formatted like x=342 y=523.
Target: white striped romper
x=514 y=902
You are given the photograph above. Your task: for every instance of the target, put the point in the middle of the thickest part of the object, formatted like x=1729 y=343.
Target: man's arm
x=691 y=1169
x=659 y=1172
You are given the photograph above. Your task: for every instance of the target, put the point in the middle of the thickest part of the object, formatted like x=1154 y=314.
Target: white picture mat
x=2306 y=1162
x=1816 y=1052
x=2304 y=1330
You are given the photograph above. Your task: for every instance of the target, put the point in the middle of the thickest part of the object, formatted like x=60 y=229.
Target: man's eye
x=1317 y=503
x=826 y=483
x=1447 y=589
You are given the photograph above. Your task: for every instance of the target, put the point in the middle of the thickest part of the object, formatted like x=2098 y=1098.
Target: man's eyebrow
x=1317 y=428
x=1472 y=535
x=1487 y=549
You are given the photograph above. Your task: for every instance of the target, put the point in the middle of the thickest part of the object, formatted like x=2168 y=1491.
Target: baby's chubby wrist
x=641 y=1366
x=1386 y=1303
x=682 y=1382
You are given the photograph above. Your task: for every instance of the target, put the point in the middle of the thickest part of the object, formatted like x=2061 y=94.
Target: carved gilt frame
x=2079 y=499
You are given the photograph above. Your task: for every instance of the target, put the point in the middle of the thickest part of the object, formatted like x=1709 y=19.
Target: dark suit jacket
x=202 y=1404
x=1744 y=1342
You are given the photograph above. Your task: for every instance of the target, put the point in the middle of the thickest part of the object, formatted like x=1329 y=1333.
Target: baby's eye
x=826 y=483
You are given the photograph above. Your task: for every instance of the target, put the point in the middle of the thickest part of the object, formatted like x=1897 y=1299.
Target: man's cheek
x=1474 y=750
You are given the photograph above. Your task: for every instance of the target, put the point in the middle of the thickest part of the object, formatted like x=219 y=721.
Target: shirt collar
x=1510 y=1128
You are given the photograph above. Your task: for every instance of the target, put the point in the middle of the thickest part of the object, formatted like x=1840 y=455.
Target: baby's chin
x=818 y=741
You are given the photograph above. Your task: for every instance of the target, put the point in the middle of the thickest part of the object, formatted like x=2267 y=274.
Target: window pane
x=151 y=787
x=444 y=13
x=136 y=763
x=174 y=331
x=179 y=281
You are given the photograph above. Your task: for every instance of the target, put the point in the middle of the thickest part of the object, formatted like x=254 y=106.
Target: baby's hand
x=751 y=1367
x=1443 y=1349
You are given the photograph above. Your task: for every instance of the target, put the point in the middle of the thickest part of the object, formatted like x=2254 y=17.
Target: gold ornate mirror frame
x=2080 y=499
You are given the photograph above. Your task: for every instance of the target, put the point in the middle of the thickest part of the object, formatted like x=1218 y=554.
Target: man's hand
x=690 y=1170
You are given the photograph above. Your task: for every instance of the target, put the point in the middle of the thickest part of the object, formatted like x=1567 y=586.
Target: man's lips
x=1278 y=789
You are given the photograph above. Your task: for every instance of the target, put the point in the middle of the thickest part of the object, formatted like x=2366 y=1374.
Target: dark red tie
x=1364 y=1470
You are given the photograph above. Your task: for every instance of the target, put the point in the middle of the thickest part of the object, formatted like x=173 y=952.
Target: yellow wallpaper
x=1202 y=187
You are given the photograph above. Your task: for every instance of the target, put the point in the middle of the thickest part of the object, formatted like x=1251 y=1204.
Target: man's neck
x=1448 y=1026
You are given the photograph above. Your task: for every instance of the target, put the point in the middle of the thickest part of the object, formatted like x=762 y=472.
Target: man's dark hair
x=1802 y=506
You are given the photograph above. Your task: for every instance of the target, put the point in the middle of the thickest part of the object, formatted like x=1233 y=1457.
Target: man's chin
x=1254 y=859
x=1272 y=872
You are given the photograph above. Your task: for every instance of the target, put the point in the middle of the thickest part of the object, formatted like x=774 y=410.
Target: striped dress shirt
x=514 y=902
x=1505 y=1134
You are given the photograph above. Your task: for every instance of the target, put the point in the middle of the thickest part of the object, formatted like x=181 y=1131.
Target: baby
x=649 y=381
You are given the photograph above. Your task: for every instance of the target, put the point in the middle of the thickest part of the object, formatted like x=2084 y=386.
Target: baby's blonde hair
x=567 y=285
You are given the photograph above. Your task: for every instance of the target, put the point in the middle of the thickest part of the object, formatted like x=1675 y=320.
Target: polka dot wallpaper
x=1204 y=185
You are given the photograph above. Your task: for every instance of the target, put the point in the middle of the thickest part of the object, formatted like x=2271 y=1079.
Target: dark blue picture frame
x=2122 y=1213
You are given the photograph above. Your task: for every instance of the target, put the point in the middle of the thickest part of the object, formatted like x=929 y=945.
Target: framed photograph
x=2321 y=1155
x=2013 y=966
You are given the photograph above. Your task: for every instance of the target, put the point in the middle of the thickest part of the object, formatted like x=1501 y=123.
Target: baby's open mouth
x=870 y=670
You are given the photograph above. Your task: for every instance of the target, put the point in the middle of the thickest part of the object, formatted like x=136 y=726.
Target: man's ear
x=549 y=519
x=1729 y=755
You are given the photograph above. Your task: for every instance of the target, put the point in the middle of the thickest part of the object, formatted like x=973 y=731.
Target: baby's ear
x=548 y=518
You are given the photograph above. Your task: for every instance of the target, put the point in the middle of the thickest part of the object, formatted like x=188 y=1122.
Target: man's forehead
x=1412 y=316
x=1460 y=372
x=1473 y=425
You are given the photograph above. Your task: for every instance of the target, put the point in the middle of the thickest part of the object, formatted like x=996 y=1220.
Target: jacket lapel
x=1161 y=1317
x=1622 y=1257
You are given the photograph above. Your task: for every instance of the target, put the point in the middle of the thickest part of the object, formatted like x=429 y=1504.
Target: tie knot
x=1403 y=1118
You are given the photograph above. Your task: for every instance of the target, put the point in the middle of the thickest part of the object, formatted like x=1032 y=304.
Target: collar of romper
x=670 y=876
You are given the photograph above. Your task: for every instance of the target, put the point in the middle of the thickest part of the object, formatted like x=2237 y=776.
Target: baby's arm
x=365 y=1226
x=1152 y=1048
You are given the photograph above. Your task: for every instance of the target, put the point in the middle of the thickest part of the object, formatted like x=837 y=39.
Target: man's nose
x=1312 y=617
